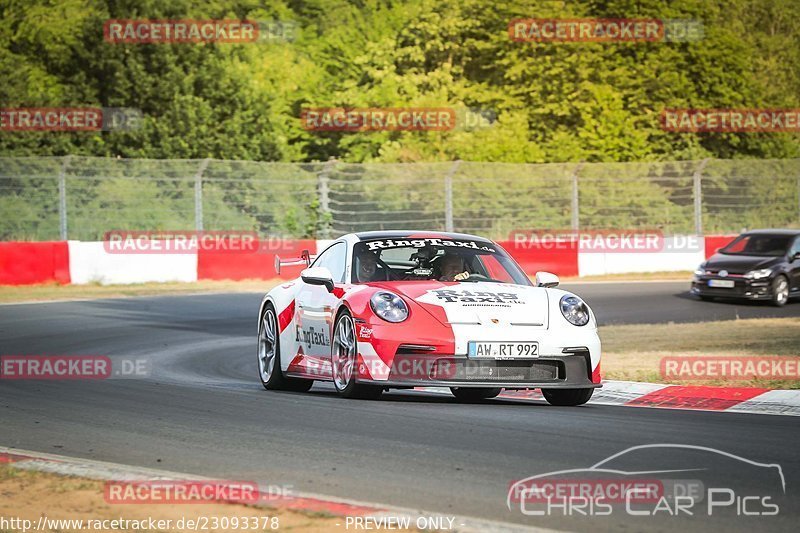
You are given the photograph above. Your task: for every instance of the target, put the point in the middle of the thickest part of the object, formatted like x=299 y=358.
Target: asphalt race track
x=668 y=301
x=202 y=411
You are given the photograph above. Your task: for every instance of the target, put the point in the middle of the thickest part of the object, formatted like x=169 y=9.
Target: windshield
x=433 y=259
x=761 y=244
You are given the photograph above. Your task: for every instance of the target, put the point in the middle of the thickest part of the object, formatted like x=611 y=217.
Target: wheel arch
x=264 y=303
x=343 y=306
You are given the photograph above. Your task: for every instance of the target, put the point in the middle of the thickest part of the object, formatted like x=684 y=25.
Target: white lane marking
x=620 y=393
x=131 y=296
x=774 y=402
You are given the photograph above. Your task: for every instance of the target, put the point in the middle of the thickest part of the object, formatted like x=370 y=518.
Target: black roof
x=789 y=232
x=407 y=234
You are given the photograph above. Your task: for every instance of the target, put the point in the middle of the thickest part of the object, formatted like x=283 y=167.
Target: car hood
x=740 y=264
x=477 y=302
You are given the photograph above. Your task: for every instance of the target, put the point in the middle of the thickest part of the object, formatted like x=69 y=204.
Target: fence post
x=698 y=196
x=325 y=215
x=575 y=198
x=198 y=195
x=62 y=198
x=448 y=196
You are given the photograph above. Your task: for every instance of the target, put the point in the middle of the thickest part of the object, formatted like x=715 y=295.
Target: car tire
x=344 y=361
x=780 y=291
x=473 y=394
x=269 y=356
x=567 y=397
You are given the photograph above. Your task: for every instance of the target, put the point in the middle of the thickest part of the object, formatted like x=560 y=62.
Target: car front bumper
x=571 y=371
x=743 y=288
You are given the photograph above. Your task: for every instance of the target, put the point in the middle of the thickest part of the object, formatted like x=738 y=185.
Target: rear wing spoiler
x=304 y=259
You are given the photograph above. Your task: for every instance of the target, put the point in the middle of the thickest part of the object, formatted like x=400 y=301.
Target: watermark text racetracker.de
x=730 y=120
x=700 y=368
x=149 y=31
x=371 y=119
x=171 y=492
x=69 y=118
x=72 y=367
x=605 y=30
x=605 y=241
x=194 y=523
x=684 y=481
x=191 y=242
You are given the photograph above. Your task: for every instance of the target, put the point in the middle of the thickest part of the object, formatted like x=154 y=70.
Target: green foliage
x=555 y=102
x=552 y=102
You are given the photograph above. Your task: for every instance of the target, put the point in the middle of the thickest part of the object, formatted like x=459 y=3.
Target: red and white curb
x=661 y=396
x=376 y=515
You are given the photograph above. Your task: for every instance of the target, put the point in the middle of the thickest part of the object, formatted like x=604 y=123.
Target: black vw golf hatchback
x=757 y=265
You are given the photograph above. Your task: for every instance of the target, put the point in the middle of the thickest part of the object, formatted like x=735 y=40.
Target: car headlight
x=389 y=306
x=574 y=310
x=700 y=270
x=759 y=274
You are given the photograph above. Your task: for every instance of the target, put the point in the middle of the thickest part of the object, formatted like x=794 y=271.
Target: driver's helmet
x=424 y=255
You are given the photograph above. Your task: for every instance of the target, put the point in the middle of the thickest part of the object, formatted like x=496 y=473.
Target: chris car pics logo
x=684 y=481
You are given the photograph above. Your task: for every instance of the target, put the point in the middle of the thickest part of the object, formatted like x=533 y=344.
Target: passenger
x=452 y=268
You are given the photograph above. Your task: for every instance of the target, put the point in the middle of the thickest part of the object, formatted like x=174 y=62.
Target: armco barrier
x=26 y=263
x=219 y=265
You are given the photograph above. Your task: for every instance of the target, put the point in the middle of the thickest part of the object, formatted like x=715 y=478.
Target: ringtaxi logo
x=730 y=368
x=730 y=120
x=69 y=118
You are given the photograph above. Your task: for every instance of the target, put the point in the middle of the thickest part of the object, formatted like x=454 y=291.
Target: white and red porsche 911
x=402 y=309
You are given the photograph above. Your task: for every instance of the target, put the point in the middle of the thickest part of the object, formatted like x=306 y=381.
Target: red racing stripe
x=11 y=458
x=705 y=398
x=285 y=318
x=324 y=506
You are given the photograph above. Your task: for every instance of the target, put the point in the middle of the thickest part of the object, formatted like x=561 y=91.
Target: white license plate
x=721 y=283
x=500 y=350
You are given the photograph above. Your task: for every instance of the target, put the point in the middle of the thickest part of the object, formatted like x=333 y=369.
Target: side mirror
x=796 y=256
x=318 y=276
x=546 y=279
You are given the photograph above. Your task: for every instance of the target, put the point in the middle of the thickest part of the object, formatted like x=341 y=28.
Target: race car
x=401 y=309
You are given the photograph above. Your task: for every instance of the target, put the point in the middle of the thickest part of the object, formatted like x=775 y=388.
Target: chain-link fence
x=50 y=198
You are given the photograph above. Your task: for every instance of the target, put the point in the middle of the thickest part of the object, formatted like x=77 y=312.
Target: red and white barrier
x=677 y=253
x=25 y=263
x=89 y=262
